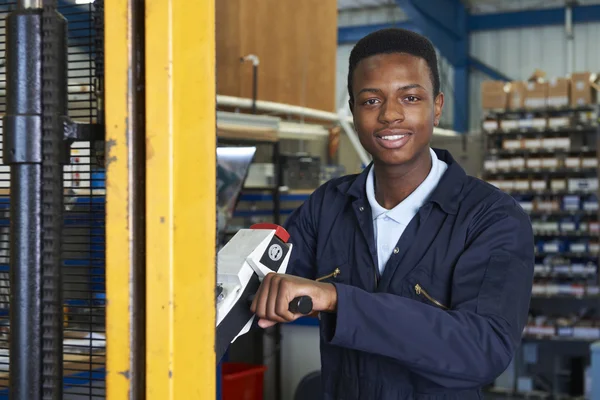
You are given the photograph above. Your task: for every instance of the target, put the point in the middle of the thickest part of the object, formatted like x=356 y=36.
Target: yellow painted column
x=181 y=199
x=118 y=254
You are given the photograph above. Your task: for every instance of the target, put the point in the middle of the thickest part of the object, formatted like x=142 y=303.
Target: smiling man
x=421 y=275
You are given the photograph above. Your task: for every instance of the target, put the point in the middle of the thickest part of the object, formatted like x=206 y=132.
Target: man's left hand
x=277 y=290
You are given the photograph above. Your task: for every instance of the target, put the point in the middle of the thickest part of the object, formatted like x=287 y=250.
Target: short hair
x=394 y=40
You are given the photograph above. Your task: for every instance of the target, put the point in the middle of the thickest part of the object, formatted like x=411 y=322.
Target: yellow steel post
x=181 y=199
x=118 y=256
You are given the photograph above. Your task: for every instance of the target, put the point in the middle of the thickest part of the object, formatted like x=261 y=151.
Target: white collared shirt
x=388 y=225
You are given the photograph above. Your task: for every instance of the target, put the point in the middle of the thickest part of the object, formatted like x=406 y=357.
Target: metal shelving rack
x=567 y=248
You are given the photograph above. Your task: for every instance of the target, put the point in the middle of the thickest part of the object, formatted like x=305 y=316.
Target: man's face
x=394 y=107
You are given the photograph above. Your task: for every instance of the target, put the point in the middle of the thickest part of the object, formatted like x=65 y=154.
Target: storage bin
x=242 y=381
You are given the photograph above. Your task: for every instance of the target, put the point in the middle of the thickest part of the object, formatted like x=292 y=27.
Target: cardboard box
x=550 y=163
x=582 y=92
x=539 y=185
x=503 y=164
x=536 y=95
x=512 y=144
x=509 y=124
x=573 y=162
x=533 y=143
x=558 y=92
x=493 y=95
x=517 y=163
x=534 y=163
x=589 y=162
x=516 y=95
x=491 y=125
x=559 y=122
x=490 y=165
x=558 y=184
x=522 y=184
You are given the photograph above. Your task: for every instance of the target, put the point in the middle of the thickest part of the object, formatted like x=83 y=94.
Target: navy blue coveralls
x=448 y=312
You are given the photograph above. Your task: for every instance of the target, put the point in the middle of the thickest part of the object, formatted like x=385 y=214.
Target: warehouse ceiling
x=474 y=6
x=494 y=6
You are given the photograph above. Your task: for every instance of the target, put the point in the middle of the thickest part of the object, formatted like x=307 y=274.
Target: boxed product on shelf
x=571 y=203
x=583 y=184
x=593 y=290
x=517 y=163
x=586 y=117
x=521 y=184
x=539 y=185
x=583 y=270
x=593 y=227
x=573 y=162
x=550 y=163
x=532 y=143
x=503 y=163
x=553 y=246
x=516 y=95
x=586 y=330
x=578 y=247
x=542 y=269
x=558 y=92
x=494 y=95
x=490 y=164
x=568 y=225
x=538 y=290
x=534 y=163
x=526 y=205
x=590 y=203
x=504 y=185
x=594 y=247
x=562 y=143
x=546 y=205
x=559 y=122
x=582 y=92
x=558 y=184
x=509 y=124
x=547 y=226
x=512 y=144
x=540 y=330
x=589 y=162
x=556 y=143
x=562 y=269
x=491 y=125
x=533 y=123
x=536 y=95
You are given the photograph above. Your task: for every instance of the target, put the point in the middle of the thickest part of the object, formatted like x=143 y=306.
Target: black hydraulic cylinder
x=22 y=151
x=55 y=153
x=34 y=147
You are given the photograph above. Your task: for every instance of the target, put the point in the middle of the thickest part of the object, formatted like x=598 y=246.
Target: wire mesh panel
x=83 y=234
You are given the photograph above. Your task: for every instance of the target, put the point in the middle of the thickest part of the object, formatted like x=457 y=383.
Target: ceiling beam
x=531 y=18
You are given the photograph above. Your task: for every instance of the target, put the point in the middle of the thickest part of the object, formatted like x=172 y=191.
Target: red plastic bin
x=242 y=381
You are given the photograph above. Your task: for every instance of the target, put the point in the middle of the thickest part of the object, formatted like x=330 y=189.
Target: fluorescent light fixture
x=83 y=1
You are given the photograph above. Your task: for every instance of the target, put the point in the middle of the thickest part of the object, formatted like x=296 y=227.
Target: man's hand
x=277 y=290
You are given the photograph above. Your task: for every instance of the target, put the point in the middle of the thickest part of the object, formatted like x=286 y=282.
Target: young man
x=427 y=271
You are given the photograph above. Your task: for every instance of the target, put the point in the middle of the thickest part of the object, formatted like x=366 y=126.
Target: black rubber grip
x=301 y=305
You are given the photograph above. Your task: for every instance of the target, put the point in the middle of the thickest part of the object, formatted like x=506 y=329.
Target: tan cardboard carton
x=516 y=95
x=536 y=95
x=558 y=92
x=493 y=95
x=582 y=90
